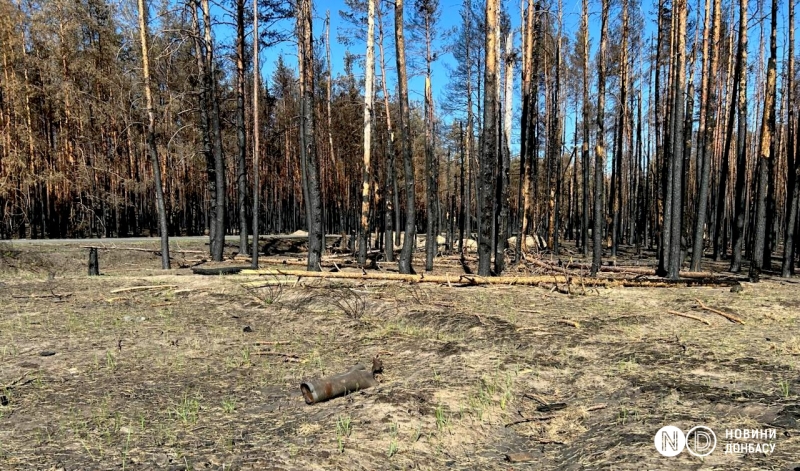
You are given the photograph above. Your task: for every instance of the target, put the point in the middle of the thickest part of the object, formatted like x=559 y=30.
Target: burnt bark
x=404 y=264
x=600 y=151
x=308 y=146
x=489 y=141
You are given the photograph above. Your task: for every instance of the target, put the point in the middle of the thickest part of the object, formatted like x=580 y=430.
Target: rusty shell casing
x=356 y=378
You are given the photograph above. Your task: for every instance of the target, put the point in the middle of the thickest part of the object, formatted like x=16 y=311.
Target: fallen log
x=497 y=280
x=217 y=270
x=421 y=278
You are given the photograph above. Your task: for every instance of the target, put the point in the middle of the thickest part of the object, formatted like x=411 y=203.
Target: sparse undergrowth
x=204 y=372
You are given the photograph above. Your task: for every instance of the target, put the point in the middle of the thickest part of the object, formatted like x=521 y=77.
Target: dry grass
x=169 y=379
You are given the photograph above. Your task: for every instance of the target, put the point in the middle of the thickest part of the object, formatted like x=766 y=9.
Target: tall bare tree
x=256 y=133
x=741 y=141
x=406 y=253
x=678 y=131
x=308 y=147
x=151 y=136
x=600 y=150
x=766 y=147
x=210 y=90
x=425 y=24
x=503 y=180
x=404 y=263
x=793 y=161
x=392 y=207
x=241 y=134
x=707 y=128
x=585 y=163
x=467 y=21
x=526 y=133
x=369 y=95
x=489 y=152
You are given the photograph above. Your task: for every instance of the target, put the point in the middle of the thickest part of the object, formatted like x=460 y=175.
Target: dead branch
x=41 y=296
x=569 y=322
x=286 y=356
x=539 y=418
x=17 y=382
x=730 y=317
x=689 y=316
x=141 y=288
x=139 y=249
x=521 y=457
x=595 y=407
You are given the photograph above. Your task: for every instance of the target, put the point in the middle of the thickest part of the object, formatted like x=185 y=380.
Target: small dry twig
x=730 y=317
x=141 y=288
x=286 y=356
x=42 y=296
x=569 y=322
x=539 y=418
x=689 y=316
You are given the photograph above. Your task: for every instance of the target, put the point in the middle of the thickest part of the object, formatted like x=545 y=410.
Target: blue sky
x=450 y=19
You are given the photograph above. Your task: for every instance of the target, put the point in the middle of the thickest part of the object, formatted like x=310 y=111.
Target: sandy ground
x=204 y=372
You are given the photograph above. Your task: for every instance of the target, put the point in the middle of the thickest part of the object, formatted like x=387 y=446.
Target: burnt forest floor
x=203 y=372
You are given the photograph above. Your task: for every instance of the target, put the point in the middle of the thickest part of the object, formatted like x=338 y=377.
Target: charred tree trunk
x=256 y=130
x=766 y=146
x=488 y=156
x=600 y=150
x=462 y=206
x=677 y=141
x=793 y=162
x=740 y=204
x=503 y=179
x=391 y=211
x=241 y=135
x=307 y=135
x=218 y=242
x=526 y=145
x=431 y=194
x=708 y=128
x=406 y=253
x=720 y=240
x=205 y=127
x=369 y=80
x=585 y=164
x=151 y=137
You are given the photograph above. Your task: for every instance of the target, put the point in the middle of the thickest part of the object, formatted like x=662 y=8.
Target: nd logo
x=699 y=441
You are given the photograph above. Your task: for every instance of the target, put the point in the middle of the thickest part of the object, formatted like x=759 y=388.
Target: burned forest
x=394 y=234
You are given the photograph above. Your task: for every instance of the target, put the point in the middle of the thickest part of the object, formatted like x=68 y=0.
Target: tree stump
x=94 y=266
